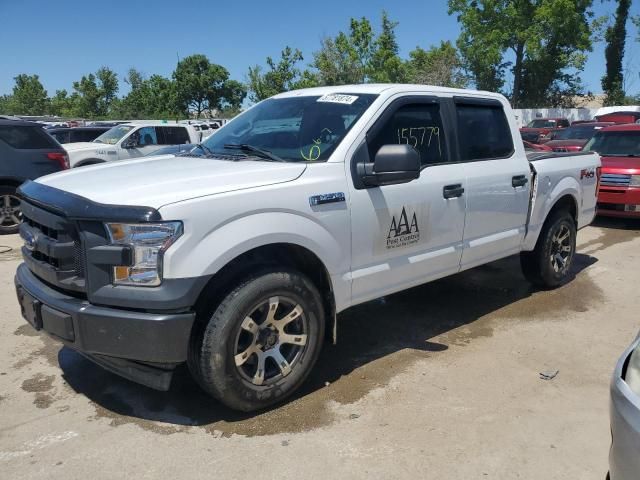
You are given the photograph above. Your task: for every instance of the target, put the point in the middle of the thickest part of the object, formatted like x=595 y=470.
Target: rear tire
x=549 y=264
x=258 y=345
x=10 y=212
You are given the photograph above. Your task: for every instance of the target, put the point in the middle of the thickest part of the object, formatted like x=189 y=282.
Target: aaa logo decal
x=403 y=231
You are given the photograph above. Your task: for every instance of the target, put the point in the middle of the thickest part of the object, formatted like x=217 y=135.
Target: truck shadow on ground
x=376 y=341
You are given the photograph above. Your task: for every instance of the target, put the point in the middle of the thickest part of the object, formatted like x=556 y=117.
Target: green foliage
x=203 y=86
x=615 y=36
x=149 y=98
x=6 y=105
x=94 y=94
x=29 y=96
x=360 y=56
x=61 y=104
x=280 y=77
x=439 y=66
x=546 y=38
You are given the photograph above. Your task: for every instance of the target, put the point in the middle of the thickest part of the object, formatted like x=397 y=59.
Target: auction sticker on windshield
x=338 y=98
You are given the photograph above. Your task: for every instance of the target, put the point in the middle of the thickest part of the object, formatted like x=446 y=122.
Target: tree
x=149 y=98
x=107 y=89
x=546 y=39
x=86 y=97
x=439 y=66
x=61 y=104
x=6 y=105
x=615 y=36
x=360 y=56
x=280 y=77
x=201 y=85
x=29 y=96
x=386 y=65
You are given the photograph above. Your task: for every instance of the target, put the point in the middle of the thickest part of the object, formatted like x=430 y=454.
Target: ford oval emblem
x=29 y=240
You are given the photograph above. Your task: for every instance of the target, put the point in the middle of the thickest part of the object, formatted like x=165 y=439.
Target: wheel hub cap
x=561 y=249
x=270 y=341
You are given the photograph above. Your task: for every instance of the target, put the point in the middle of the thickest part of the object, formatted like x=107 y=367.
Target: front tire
x=549 y=264
x=259 y=344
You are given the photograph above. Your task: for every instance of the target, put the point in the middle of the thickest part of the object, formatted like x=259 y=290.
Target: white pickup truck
x=130 y=140
x=237 y=258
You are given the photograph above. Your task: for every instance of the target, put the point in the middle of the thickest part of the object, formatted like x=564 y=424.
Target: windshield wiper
x=205 y=149
x=246 y=148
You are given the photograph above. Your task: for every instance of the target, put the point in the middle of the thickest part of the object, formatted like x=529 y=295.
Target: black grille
x=53 y=248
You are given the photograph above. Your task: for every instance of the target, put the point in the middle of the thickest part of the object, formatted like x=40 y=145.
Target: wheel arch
x=89 y=161
x=565 y=195
x=286 y=255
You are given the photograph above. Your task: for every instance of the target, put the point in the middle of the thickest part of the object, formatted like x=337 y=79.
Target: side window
x=26 y=137
x=483 y=132
x=147 y=136
x=62 y=137
x=173 y=135
x=418 y=125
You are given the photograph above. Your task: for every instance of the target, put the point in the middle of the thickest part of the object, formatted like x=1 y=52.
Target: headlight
x=632 y=376
x=148 y=242
x=635 y=181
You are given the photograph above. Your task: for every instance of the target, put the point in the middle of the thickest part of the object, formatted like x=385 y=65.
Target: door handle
x=452 y=191
x=519 y=181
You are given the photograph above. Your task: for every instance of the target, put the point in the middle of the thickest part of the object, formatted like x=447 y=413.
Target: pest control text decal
x=403 y=230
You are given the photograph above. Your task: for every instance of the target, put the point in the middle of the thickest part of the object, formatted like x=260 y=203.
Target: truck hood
x=157 y=181
x=77 y=146
x=621 y=164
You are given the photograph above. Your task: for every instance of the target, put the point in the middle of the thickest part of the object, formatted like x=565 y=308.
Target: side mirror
x=130 y=142
x=392 y=165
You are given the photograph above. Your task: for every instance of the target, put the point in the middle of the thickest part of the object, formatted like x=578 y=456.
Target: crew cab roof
x=389 y=88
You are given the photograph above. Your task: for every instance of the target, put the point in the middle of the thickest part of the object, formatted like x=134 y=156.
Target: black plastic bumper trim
x=132 y=335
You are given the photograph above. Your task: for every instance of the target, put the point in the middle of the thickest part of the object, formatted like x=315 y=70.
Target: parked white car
x=237 y=258
x=130 y=140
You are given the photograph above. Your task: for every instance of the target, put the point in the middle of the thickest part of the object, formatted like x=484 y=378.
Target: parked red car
x=537 y=130
x=619 y=147
x=619 y=117
x=574 y=138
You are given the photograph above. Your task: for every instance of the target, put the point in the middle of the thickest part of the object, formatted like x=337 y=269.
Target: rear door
x=497 y=181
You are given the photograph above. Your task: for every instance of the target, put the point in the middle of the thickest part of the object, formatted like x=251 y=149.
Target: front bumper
x=617 y=202
x=624 y=456
x=141 y=346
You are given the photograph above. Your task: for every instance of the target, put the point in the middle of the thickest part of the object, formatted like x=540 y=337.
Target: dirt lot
x=441 y=381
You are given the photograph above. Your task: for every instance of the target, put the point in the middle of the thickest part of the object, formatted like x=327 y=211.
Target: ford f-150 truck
x=130 y=140
x=237 y=258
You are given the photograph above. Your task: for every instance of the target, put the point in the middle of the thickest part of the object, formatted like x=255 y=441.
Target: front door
x=146 y=143
x=407 y=234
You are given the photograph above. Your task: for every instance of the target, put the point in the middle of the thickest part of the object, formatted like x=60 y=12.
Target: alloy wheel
x=271 y=341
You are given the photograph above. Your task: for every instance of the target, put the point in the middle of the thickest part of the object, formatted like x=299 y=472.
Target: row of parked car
x=616 y=137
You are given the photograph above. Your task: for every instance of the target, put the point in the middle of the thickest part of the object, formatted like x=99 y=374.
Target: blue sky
x=65 y=39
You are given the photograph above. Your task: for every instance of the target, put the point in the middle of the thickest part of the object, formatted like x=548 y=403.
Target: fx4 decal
x=587 y=173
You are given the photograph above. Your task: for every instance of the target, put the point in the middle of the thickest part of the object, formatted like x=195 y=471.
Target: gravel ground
x=441 y=381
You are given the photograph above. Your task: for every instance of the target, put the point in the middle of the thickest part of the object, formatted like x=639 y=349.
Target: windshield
x=542 y=124
x=572 y=133
x=295 y=129
x=615 y=144
x=114 y=134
